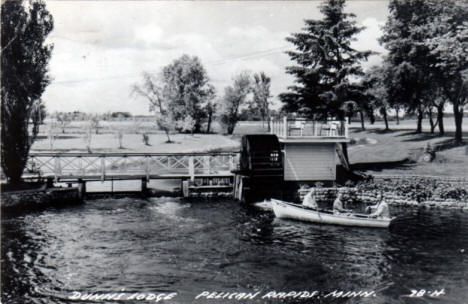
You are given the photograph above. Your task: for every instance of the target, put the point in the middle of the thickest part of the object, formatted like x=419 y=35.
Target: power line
x=245 y=56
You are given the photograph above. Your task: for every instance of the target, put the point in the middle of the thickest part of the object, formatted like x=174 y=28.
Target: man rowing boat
x=338 y=205
x=380 y=209
x=309 y=200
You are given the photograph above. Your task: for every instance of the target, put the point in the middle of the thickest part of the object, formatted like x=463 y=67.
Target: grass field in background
x=377 y=151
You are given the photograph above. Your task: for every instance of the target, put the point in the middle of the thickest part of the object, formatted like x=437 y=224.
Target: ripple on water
x=193 y=245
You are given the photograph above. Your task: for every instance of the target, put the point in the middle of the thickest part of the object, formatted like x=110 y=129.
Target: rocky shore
x=38 y=197
x=425 y=192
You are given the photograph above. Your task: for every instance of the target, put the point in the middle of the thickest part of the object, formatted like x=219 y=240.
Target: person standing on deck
x=380 y=209
x=338 y=205
x=309 y=200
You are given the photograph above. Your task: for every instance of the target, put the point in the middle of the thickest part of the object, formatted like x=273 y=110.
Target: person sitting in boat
x=309 y=200
x=380 y=209
x=338 y=205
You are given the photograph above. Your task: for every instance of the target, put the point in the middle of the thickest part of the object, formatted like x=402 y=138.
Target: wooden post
x=185 y=188
x=191 y=168
x=49 y=182
x=147 y=167
x=81 y=188
x=240 y=190
x=285 y=126
x=58 y=169
x=144 y=185
x=231 y=163
x=236 y=180
x=80 y=162
x=103 y=168
x=271 y=126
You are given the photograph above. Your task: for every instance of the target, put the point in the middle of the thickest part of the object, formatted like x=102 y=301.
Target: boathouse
x=311 y=149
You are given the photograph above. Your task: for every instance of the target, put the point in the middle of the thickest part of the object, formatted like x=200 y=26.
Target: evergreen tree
x=25 y=57
x=326 y=64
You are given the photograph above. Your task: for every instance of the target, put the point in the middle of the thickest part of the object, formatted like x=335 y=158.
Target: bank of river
x=188 y=247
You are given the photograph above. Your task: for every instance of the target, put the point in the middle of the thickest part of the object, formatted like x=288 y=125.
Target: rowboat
x=284 y=209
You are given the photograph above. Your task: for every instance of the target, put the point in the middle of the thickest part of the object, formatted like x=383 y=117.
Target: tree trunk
x=15 y=145
x=458 y=114
x=420 y=119
x=208 y=125
x=230 y=129
x=349 y=119
x=166 y=130
x=397 y=111
x=361 y=115
x=440 y=118
x=384 y=112
x=431 y=121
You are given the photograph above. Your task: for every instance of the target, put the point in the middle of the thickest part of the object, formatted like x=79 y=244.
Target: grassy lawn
x=106 y=141
x=398 y=151
x=373 y=151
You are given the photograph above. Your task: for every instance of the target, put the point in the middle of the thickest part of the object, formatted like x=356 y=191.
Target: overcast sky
x=102 y=47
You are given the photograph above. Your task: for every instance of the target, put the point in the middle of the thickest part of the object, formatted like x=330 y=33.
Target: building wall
x=309 y=161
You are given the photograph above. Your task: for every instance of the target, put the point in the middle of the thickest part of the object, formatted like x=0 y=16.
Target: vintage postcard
x=234 y=151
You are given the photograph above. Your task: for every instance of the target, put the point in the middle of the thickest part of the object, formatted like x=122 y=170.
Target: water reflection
x=165 y=245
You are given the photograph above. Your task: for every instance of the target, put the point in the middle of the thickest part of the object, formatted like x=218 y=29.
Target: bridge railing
x=69 y=165
x=294 y=128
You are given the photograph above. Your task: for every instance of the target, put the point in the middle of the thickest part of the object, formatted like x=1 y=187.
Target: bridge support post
x=191 y=168
x=103 y=169
x=185 y=188
x=144 y=185
x=81 y=188
x=50 y=182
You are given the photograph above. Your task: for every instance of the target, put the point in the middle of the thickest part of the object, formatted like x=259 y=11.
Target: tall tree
x=326 y=64
x=185 y=84
x=234 y=97
x=261 y=94
x=151 y=90
x=25 y=57
x=210 y=110
x=447 y=40
x=410 y=81
x=376 y=91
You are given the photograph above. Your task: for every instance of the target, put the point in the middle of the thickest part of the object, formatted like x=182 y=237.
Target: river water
x=163 y=246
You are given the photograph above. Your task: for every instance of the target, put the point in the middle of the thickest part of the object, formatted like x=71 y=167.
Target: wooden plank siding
x=309 y=162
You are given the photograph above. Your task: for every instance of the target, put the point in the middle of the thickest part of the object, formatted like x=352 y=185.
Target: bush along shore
x=402 y=191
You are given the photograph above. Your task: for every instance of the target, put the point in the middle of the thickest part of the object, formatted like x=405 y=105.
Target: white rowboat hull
x=287 y=210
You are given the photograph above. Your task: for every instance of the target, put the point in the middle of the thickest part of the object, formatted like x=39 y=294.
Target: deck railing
x=69 y=165
x=297 y=128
